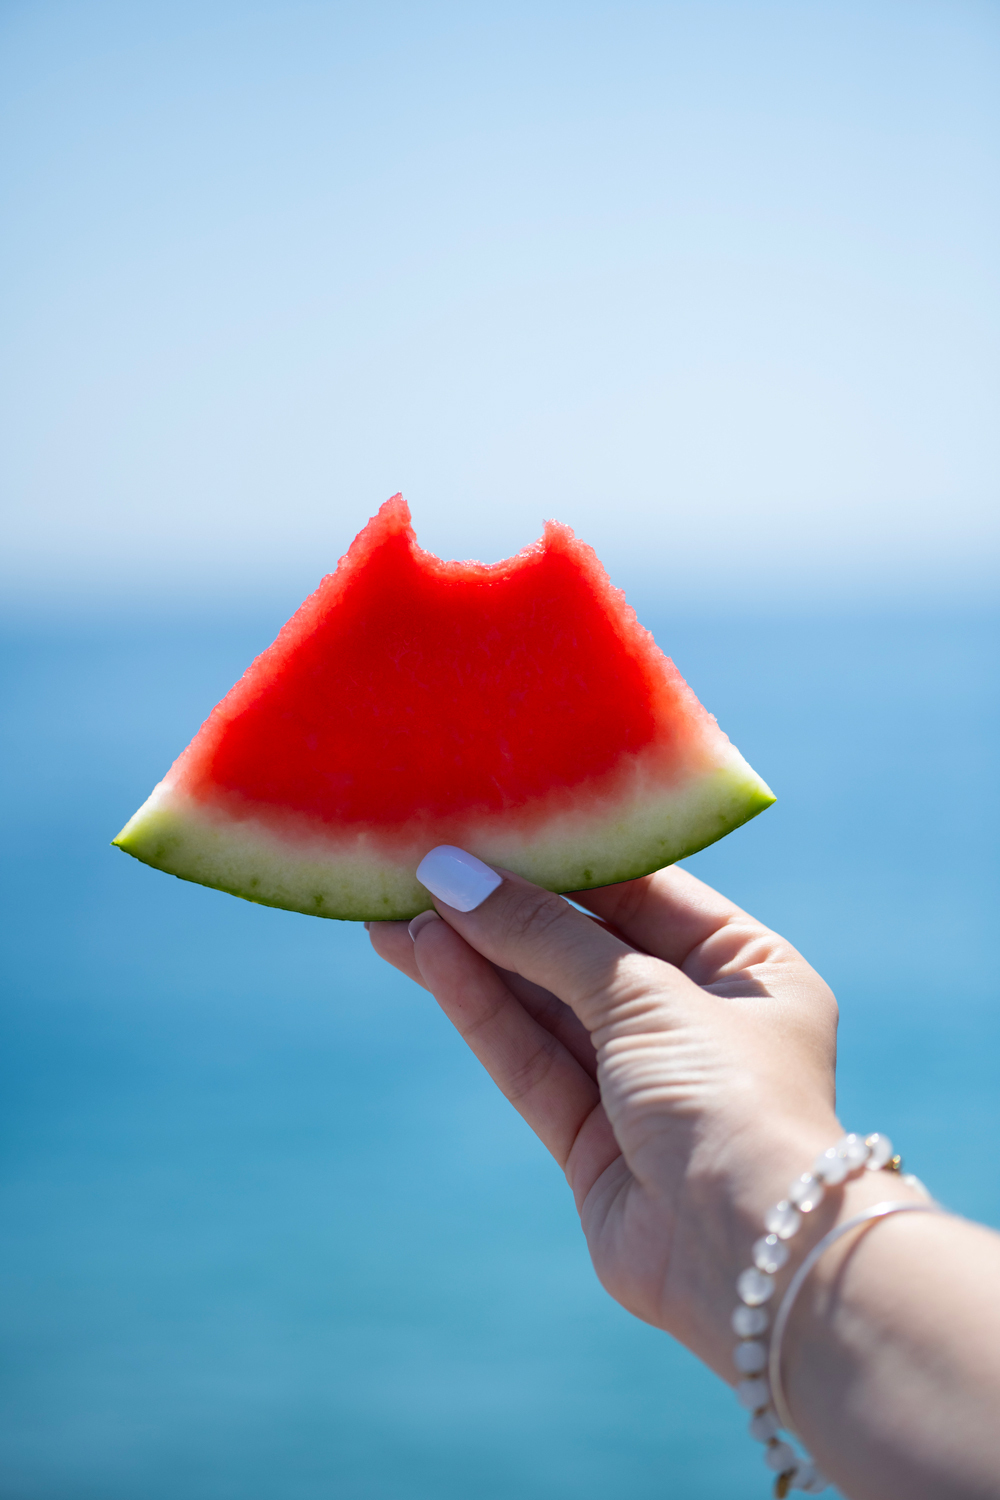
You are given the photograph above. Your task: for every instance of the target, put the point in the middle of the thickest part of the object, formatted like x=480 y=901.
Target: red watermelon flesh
x=517 y=709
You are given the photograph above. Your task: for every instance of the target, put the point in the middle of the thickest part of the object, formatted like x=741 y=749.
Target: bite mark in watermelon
x=516 y=709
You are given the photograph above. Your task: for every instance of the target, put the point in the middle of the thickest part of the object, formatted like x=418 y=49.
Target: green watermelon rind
x=361 y=879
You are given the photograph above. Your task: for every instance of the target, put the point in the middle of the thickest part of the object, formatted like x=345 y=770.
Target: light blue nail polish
x=459 y=879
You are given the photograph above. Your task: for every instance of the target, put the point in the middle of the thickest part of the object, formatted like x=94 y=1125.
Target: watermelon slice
x=518 y=710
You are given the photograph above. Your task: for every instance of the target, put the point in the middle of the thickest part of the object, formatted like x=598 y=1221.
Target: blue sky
x=716 y=283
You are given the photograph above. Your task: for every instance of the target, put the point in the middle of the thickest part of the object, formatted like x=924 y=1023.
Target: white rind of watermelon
x=621 y=834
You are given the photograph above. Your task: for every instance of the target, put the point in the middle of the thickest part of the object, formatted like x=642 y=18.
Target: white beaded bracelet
x=760 y=1390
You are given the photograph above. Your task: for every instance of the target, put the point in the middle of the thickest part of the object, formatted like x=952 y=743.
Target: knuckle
x=635 y=897
x=482 y=1021
x=628 y=900
x=629 y=993
x=530 y=920
x=529 y=1074
x=831 y=1006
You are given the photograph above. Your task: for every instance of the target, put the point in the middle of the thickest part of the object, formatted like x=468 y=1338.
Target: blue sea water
x=268 y=1233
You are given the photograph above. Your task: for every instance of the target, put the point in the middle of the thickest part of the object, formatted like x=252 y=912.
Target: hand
x=675 y=1056
x=677 y=1059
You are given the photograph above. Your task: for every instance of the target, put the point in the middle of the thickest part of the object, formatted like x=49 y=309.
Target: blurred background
x=715 y=283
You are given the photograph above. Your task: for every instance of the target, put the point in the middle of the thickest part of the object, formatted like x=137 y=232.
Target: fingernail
x=368 y=927
x=459 y=879
x=421 y=920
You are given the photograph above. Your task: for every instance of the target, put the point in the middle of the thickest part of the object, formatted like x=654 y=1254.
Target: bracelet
x=760 y=1389
x=870 y=1216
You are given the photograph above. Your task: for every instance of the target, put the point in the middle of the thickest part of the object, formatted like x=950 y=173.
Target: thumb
x=520 y=927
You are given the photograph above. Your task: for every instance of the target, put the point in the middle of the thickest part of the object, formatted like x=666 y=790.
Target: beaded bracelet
x=760 y=1390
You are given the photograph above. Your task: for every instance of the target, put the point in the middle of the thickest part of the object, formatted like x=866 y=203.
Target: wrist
x=819 y=1302
x=829 y=1205
x=737 y=1170
x=730 y=1187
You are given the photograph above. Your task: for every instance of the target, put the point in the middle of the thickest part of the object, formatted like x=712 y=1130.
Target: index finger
x=668 y=914
x=536 y=934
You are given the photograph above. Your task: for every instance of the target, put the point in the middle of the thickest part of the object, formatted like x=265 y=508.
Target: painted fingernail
x=459 y=879
x=421 y=920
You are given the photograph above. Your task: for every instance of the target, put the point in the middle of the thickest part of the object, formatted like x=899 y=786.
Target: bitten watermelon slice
x=518 y=710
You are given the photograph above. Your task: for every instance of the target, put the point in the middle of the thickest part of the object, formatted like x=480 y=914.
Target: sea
x=267 y=1231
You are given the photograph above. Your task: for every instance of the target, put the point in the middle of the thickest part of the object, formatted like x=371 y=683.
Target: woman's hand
x=677 y=1059
x=675 y=1056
